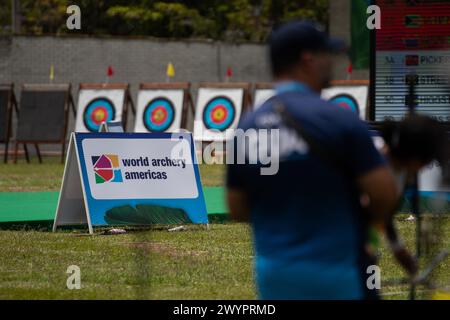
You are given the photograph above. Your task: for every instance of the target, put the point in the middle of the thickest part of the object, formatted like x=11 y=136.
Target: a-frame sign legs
x=72 y=209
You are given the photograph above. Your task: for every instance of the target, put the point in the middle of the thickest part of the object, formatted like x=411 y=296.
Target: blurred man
x=409 y=146
x=309 y=228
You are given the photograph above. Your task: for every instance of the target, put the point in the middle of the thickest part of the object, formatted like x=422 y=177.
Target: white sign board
x=117 y=178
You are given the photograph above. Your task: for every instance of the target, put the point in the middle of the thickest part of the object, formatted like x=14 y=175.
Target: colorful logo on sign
x=219 y=113
x=159 y=115
x=97 y=111
x=346 y=101
x=106 y=168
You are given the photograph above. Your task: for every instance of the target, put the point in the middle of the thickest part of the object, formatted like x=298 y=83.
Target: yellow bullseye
x=218 y=114
x=159 y=115
x=99 y=115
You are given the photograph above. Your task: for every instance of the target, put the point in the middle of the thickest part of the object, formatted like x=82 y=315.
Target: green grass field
x=144 y=264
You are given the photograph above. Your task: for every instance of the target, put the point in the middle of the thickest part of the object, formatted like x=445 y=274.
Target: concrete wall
x=83 y=59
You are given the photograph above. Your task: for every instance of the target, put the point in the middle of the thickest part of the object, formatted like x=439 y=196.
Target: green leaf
x=145 y=215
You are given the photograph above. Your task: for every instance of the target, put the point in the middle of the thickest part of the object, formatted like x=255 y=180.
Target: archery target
x=218 y=110
x=219 y=113
x=353 y=98
x=98 y=111
x=159 y=110
x=261 y=96
x=97 y=106
x=345 y=101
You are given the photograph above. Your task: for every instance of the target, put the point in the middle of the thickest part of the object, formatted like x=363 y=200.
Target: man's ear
x=306 y=58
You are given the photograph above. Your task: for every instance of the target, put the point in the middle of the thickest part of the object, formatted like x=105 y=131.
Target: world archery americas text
x=149 y=174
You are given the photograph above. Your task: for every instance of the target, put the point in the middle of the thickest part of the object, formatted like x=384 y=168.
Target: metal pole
x=415 y=199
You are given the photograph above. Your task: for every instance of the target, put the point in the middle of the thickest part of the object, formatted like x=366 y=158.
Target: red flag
x=110 y=71
x=229 y=72
x=350 y=68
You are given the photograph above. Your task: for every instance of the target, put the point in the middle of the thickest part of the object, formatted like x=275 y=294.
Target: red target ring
x=97 y=111
x=159 y=115
x=219 y=114
x=99 y=115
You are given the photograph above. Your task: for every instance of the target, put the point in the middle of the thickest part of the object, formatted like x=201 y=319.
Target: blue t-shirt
x=307 y=224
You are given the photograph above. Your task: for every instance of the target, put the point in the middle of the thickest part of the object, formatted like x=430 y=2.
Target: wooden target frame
x=349 y=83
x=264 y=85
x=68 y=104
x=127 y=101
x=188 y=104
x=11 y=106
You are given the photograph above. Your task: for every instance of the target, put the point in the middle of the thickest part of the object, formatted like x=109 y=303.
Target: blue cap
x=289 y=40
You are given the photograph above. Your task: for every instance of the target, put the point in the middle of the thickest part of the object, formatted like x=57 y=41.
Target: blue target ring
x=98 y=111
x=219 y=113
x=159 y=115
x=345 y=101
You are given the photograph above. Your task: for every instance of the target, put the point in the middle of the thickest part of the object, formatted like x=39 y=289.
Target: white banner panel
x=97 y=106
x=143 y=176
x=261 y=96
x=353 y=98
x=130 y=179
x=159 y=110
x=217 y=110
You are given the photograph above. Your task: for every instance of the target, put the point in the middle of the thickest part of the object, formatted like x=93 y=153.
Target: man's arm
x=238 y=205
x=380 y=187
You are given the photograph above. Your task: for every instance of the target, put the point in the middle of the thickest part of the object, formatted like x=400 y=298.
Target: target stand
x=263 y=92
x=43 y=117
x=163 y=107
x=8 y=104
x=98 y=103
x=218 y=111
x=352 y=95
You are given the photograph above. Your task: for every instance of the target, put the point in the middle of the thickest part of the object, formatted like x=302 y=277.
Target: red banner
x=414 y=25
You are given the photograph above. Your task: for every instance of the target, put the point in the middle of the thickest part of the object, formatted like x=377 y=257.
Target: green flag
x=360 y=50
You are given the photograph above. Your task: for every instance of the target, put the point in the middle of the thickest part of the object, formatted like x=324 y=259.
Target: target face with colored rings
x=219 y=113
x=98 y=111
x=159 y=115
x=346 y=101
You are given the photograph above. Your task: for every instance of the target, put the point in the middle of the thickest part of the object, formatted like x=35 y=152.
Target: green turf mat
x=16 y=207
x=27 y=206
x=215 y=200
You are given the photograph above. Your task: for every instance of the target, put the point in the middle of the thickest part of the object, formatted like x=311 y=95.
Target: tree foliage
x=236 y=20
